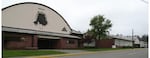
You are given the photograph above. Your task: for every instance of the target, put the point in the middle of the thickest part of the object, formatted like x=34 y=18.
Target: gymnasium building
x=32 y=25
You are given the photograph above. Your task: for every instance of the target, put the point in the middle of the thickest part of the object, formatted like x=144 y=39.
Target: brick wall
x=105 y=43
x=31 y=42
x=65 y=45
x=24 y=41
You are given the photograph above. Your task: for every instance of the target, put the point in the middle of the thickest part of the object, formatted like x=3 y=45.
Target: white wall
x=23 y=16
x=143 y=44
x=136 y=40
x=92 y=44
x=120 y=42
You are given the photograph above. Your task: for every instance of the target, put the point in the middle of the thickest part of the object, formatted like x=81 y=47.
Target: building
x=136 y=42
x=115 y=42
x=31 y=25
x=79 y=34
x=143 y=44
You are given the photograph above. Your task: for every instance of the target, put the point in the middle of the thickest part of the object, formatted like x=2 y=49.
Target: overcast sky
x=124 y=14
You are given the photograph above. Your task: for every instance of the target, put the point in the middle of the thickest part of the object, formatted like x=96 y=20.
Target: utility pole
x=132 y=39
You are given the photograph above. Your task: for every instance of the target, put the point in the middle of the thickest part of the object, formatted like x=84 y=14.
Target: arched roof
x=37 y=4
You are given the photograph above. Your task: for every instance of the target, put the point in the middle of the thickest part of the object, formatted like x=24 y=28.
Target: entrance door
x=43 y=43
x=47 y=43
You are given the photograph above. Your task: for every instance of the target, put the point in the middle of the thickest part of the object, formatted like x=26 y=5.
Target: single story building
x=114 y=42
x=32 y=25
x=143 y=44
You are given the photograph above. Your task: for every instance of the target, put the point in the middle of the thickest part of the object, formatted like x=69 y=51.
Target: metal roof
x=28 y=31
x=121 y=37
x=128 y=38
x=76 y=32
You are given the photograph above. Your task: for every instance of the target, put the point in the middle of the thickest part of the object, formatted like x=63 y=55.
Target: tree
x=145 y=38
x=100 y=27
x=88 y=37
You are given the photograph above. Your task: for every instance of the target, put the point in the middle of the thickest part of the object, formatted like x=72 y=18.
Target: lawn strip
x=19 y=53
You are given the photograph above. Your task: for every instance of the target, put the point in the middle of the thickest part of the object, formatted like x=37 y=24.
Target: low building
x=114 y=42
x=120 y=41
x=143 y=44
x=31 y=25
x=79 y=34
x=123 y=41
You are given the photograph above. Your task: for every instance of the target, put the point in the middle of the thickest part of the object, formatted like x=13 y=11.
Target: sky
x=125 y=15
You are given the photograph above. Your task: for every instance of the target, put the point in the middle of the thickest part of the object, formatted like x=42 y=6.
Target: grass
x=18 y=53
x=102 y=49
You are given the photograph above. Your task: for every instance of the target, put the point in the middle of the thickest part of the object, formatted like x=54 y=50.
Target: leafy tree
x=145 y=38
x=88 y=37
x=100 y=27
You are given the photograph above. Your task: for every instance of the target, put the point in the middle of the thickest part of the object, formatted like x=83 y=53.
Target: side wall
x=24 y=15
x=105 y=43
x=27 y=41
x=122 y=43
x=66 y=43
x=19 y=41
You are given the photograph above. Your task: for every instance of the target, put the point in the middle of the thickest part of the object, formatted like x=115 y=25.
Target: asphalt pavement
x=129 y=53
x=70 y=51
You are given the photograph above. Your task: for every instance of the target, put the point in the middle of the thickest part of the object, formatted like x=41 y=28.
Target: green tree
x=88 y=36
x=145 y=38
x=100 y=27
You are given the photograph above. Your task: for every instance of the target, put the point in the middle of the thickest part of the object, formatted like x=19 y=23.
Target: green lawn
x=18 y=53
x=102 y=49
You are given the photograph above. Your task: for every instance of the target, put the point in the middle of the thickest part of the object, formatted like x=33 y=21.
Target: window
x=70 y=41
x=12 y=38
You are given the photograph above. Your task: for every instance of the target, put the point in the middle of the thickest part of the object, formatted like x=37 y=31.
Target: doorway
x=47 y=43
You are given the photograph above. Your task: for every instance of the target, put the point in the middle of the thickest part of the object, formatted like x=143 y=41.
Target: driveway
x=129 y=53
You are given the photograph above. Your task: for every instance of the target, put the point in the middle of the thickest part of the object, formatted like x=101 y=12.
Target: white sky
x=124 y=14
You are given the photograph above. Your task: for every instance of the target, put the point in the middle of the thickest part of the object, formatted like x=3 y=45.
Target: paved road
x=132 y=53
x=71 y=51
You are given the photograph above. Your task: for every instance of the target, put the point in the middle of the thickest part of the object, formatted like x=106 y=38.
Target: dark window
x=32 y=41
x=70 y=41
x=12 y=38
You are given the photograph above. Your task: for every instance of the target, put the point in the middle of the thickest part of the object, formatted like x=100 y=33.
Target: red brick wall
x=35 y=41
x=57 y=44
x=65 y=45
x=105 y=43
x=21 y=44
x=80 y=43
x=31 y=42
x=15 y=45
